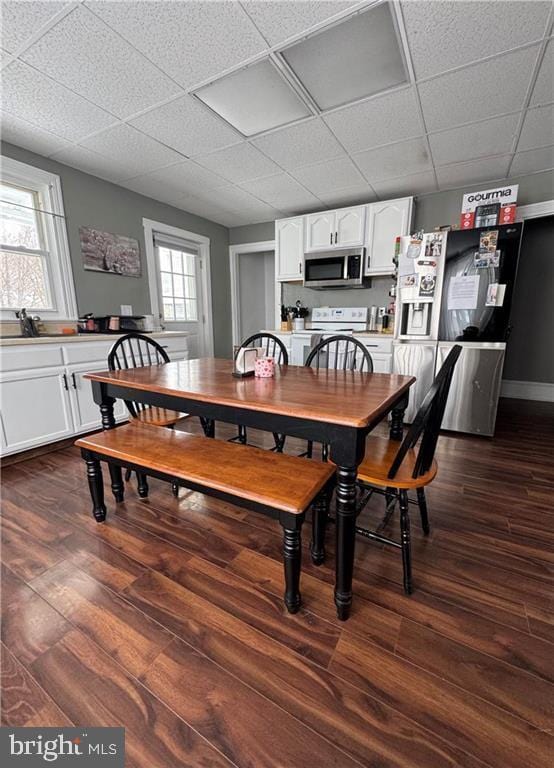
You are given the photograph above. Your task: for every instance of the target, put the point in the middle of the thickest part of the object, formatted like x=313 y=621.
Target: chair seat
x=379 y=455
x=158 y=417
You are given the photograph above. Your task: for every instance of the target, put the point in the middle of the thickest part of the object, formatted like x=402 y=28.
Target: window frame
x=59 y=267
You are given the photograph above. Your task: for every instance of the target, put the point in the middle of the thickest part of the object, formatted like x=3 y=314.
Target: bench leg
x=96 y=486
x=320 y=513
x=292 y=554
x=142 y=485
x=117 y=482
x=422 y=502
x=175 y=488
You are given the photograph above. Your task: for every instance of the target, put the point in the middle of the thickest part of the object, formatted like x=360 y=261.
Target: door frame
x=206 y=332
x=234 y=252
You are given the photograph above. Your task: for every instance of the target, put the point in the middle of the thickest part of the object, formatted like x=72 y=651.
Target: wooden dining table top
x=347 y=398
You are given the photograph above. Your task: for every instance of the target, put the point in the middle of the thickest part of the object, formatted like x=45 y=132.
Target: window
x=177 y=265
x=35 y=268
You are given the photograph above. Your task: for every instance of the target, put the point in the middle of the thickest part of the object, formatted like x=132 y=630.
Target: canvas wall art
x=114 y=254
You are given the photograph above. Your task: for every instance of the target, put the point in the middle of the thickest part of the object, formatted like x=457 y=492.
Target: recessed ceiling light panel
x=350 y=60
x=254 y=99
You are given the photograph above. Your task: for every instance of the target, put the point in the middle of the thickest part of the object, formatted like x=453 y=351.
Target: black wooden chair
x=271 y=347
x=392 y=469
x=338 y=352
x=135 y=350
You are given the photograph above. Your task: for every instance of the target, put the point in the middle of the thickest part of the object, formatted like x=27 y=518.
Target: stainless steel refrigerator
x=478 y=282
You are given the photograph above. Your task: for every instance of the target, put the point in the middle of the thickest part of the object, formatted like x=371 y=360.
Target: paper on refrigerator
x=463 y=292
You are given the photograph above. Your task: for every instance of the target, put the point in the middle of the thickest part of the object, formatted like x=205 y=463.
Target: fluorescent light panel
x=254 y=99
x=350 y=60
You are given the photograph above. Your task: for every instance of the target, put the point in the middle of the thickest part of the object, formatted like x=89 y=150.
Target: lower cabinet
x=53 y=402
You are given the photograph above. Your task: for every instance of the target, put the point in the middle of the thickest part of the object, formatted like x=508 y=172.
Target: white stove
x=327 y=321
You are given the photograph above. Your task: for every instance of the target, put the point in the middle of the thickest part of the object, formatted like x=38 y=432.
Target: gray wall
x=102 y=205
x=252 y=233
x=378 y=294
x=530 y=352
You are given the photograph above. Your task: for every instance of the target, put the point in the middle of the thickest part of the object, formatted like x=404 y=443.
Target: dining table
x=334 y=407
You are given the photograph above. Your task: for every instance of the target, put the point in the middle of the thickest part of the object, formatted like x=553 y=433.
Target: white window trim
x=203 y=244
x=60 y=272
x=234 y=251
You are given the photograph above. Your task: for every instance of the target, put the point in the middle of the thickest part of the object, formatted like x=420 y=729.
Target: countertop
x=77 y=337
x=372 y=334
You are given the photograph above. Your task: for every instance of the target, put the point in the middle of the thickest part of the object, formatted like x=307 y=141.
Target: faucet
x=28 y=325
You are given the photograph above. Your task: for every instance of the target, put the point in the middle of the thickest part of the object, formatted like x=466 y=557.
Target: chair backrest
x=428 y=420
x=135 y=351
x=270 y=344
x=341 y=352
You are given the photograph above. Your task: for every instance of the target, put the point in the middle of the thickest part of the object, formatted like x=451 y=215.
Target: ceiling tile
x=414 y=184
x=357 y=193
x=281 y=191
x=21 y=20
x=156 y=190
x=538 y=128
x=33 y=97
x=543 y=92
x=5 y=58
x=90 y=162
x=486 y=169
x=378 y=121
x=302 y=144
x=28 y=136
x=490 y=137
x=532 y=161
x=191 y=41
x=188 y=126
x=87 y=56
x=482 y=90
x=323 y=178
x=389 y=162
x=239 y=163
x=451 y=33
x=208 y=209
x=132 y=149
x=187 y=177
x=278 y=20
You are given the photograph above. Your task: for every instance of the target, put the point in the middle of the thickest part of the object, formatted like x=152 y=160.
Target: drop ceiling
x=122 y=90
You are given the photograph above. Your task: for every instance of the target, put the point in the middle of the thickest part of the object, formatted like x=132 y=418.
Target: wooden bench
x=277 y=485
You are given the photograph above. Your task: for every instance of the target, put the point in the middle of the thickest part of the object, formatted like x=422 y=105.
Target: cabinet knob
x=300 y=267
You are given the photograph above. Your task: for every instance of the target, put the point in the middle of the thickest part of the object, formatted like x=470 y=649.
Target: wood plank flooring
x=168 y=619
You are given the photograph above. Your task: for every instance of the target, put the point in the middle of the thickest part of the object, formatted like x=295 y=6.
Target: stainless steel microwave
x=334 y=269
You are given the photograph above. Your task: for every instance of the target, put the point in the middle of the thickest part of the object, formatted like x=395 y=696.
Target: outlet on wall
x=126 y=309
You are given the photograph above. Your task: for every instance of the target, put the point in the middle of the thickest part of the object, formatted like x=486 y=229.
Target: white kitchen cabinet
x=335 y=229
x=350 y=226
x=320 y=231
x=44 y=394
x=36 y=408
x=289 y=248
x=380 y=350
x=86 y=413
x=386 y=221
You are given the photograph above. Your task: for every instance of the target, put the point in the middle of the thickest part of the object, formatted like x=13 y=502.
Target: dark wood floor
x=168 y=620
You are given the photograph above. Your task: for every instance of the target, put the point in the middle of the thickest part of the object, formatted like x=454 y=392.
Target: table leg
x=208 y=425
x=346 y=538
x=397 y=419
x=117 y=482
x=320 y=513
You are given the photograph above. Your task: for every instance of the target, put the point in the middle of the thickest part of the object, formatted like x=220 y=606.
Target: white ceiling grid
x=106 y=87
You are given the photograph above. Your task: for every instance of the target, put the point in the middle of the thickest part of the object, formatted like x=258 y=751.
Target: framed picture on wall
x=113 y=254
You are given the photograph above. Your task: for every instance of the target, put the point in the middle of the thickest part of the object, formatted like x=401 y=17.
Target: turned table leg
x=320 y=513
x=96 y=487
x=116 y=476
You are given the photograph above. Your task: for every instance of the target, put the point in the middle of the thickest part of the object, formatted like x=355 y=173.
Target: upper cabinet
x=335 y=229
x=385 y=222
x=375 y=226
x=289 y=248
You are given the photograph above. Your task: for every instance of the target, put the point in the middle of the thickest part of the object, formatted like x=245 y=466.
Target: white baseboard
x=528 y=390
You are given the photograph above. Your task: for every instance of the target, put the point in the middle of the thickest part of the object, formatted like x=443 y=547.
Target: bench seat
x=274 y=484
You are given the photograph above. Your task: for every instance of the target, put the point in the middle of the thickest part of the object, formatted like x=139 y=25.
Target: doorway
x=179 y=281
x=253 y=288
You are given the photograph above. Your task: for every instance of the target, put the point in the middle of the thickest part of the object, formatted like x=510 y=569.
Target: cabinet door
x=86 y=413
x=350 y=226
x=35 y=408
x=320 y=231
x=386 y=221
x=289 y=244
